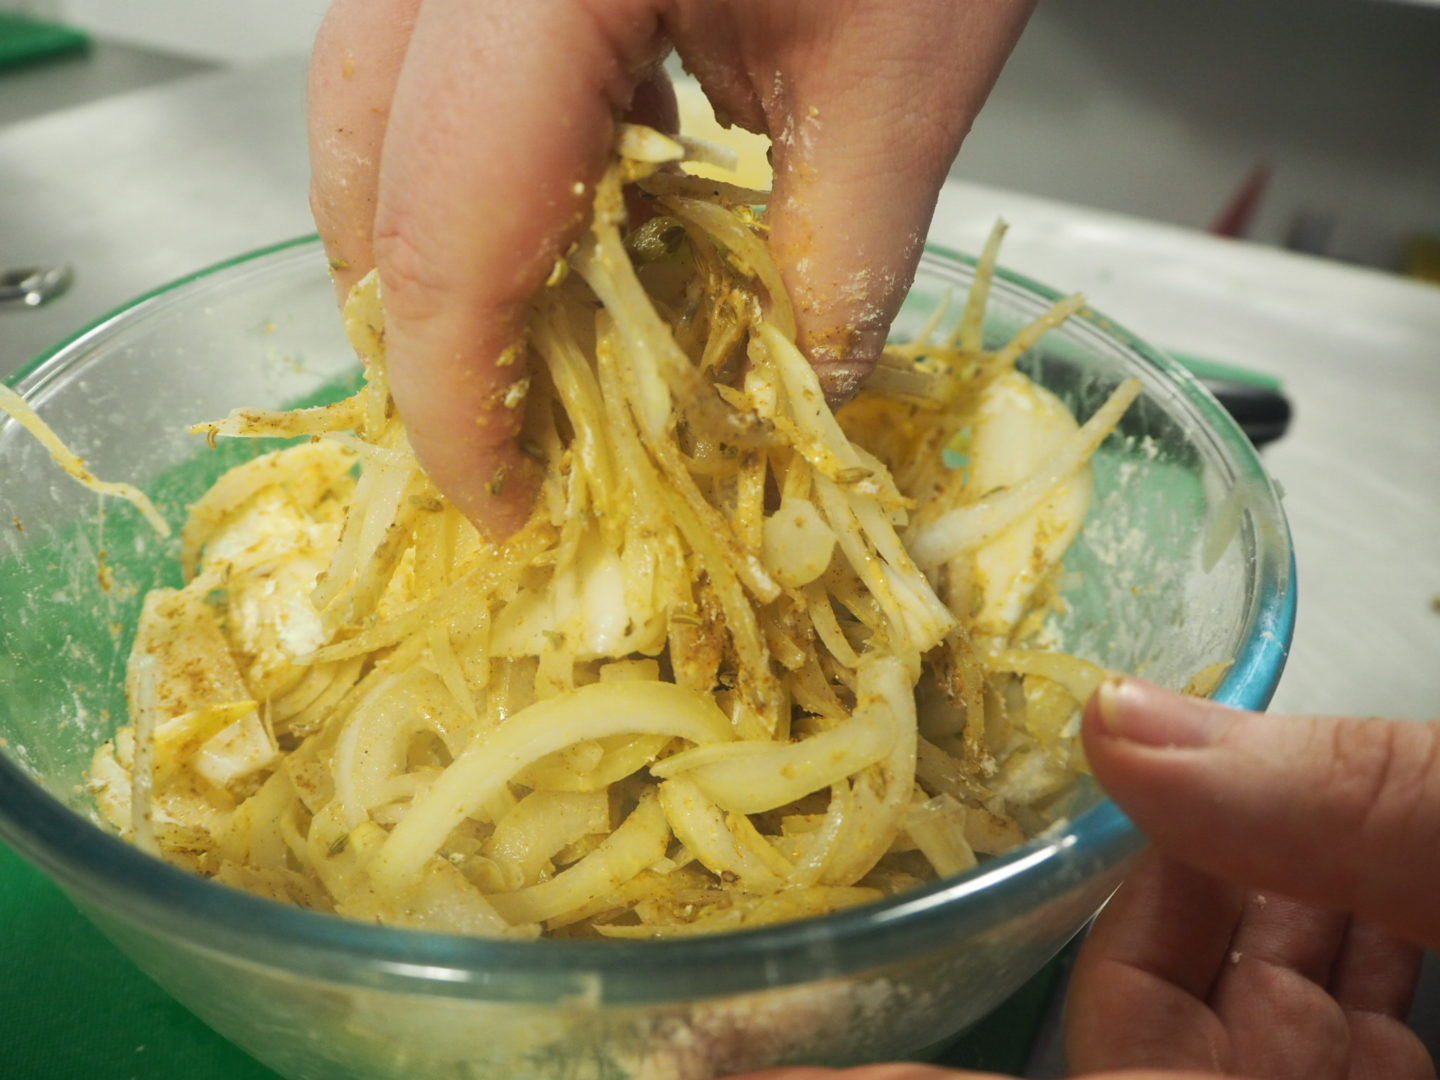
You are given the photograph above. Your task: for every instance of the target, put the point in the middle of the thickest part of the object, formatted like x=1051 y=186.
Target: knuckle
x=1387 y=774
x=414 y=291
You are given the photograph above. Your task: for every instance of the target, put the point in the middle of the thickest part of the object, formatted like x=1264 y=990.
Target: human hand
x=1212 y=963
x=1284 y=946
x=455 y=144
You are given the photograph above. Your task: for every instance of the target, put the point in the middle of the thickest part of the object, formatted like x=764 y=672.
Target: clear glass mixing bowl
x=1185 y=561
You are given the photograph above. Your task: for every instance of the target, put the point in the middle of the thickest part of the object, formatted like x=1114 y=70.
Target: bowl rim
x=219 y=918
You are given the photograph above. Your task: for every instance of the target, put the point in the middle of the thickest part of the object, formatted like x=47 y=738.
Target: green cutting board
x=72 y=1005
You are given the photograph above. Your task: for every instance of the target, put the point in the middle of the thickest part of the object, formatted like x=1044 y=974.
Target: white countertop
x=146 y=186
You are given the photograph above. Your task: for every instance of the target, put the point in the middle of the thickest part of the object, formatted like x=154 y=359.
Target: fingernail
x=842 y=367
x=1150 y=715
x=841 y=379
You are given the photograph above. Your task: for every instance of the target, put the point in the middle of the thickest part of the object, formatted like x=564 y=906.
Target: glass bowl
x=1185 y=561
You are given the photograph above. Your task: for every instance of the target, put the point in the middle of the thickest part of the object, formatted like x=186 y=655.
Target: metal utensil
x=31 y=286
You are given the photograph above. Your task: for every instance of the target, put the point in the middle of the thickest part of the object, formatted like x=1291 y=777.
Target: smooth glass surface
x=1185 y=562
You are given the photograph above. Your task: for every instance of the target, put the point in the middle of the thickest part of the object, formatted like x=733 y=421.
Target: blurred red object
x=1234 y=220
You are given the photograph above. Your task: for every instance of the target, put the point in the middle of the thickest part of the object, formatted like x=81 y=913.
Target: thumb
x=1340 y=812
x=493 y=142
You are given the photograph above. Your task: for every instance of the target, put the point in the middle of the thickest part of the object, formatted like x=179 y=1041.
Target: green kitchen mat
x=72 y=1005
x=24 y=40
